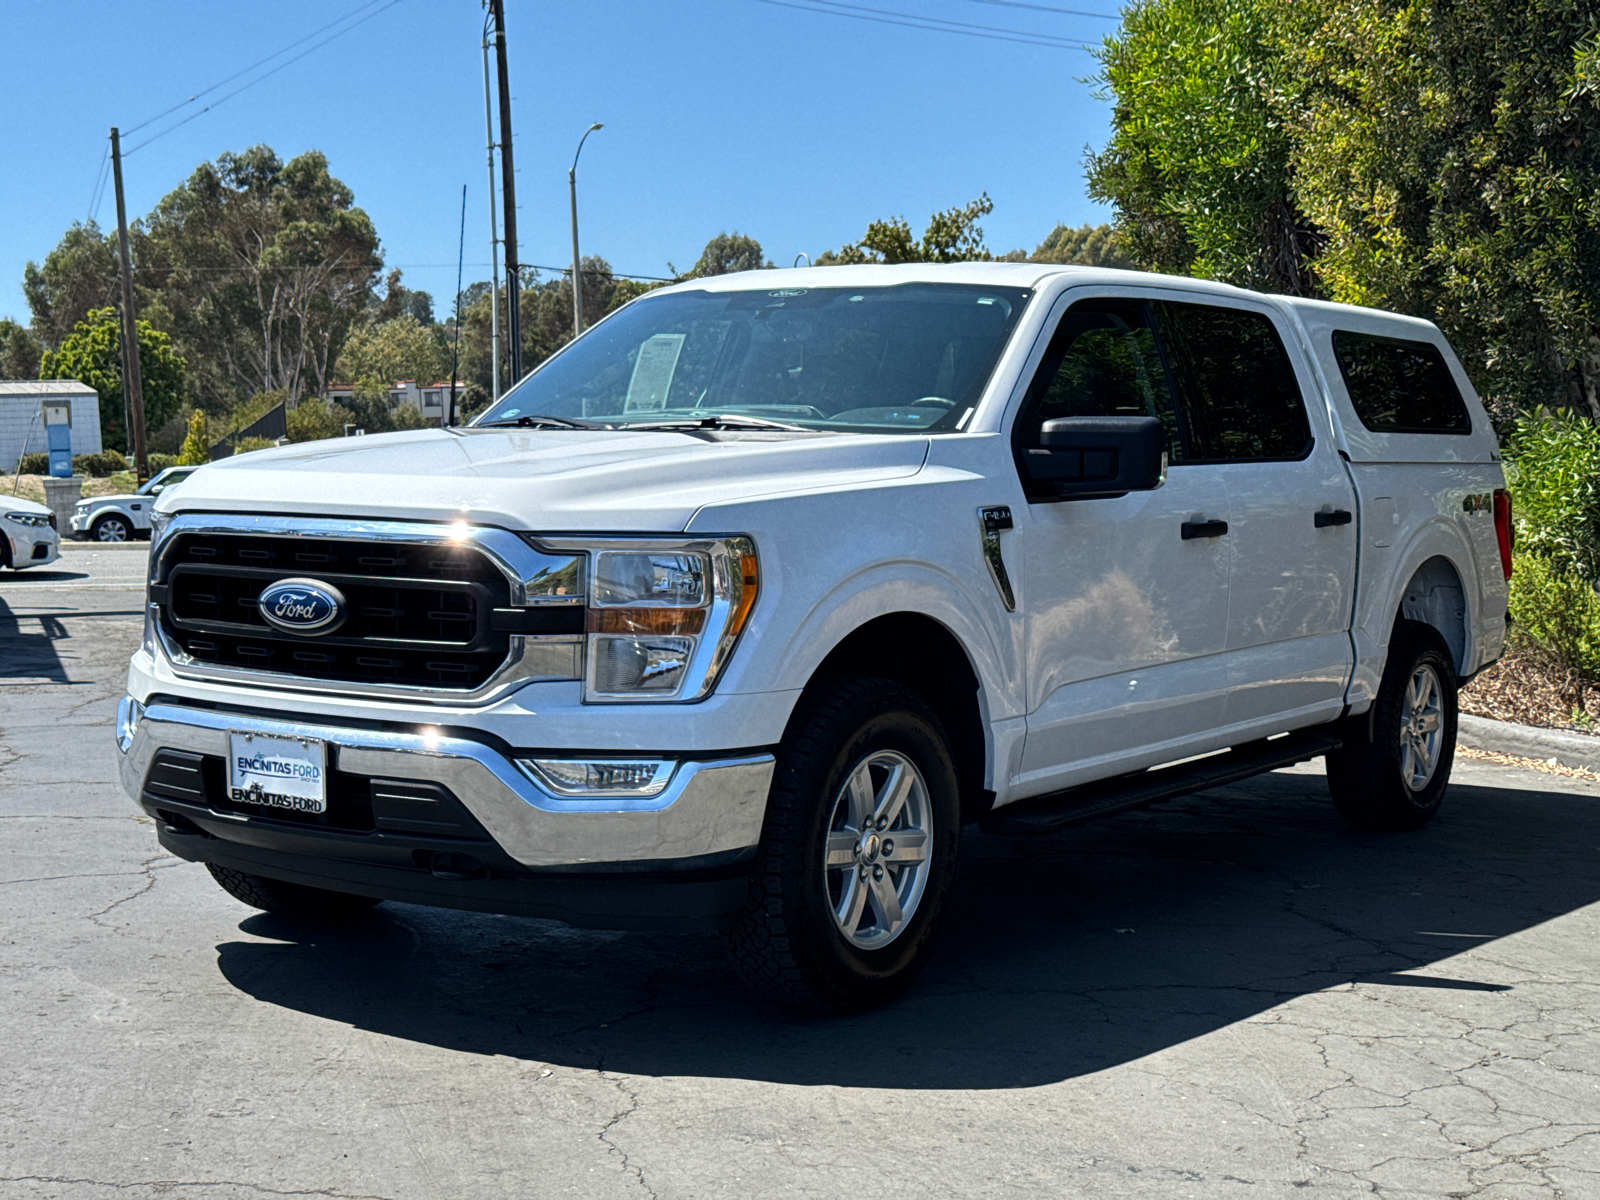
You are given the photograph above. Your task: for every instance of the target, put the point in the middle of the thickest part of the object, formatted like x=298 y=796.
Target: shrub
x=316 y=419
x=37 y=463
x=1555 y=608
x=160 y=462
x=1555 y=490
x=196 y=450
x=106 y=462
x=245 y=445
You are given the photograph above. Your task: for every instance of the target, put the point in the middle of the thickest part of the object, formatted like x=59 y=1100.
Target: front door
x=1126 y=599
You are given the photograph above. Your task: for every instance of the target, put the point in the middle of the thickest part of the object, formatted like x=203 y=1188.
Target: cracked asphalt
x=1232 y=995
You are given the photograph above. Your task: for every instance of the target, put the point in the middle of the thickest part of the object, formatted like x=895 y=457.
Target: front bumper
x=34 y=548
x=525 y=845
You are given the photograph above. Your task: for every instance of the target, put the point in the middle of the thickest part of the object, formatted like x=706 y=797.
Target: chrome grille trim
x=528 y=573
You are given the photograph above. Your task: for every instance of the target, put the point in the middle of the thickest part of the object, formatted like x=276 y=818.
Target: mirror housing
x=1097 y=458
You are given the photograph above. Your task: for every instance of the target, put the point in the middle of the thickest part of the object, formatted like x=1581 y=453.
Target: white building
x=22 y=421
x=428 y=399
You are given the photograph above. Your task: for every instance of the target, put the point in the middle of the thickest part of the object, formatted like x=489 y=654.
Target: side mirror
x=158 y=489
x=1096 y=458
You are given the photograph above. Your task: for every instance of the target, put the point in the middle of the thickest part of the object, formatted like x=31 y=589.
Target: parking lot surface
x=1231 y=995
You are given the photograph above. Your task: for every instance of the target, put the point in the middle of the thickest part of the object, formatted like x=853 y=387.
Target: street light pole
x=577 y=275
x=494 y=236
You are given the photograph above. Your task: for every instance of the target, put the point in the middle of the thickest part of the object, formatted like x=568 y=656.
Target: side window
x=1399 y=386
x=1102 y=362
x=1238 y=386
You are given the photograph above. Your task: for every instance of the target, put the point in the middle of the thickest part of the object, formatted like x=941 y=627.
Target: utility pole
x=132 y=384
x=494 y=235
x=508 y=190
x=577 y=274
x=448 y=418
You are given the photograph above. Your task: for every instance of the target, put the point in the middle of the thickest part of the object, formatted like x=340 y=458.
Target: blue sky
x=789 y=125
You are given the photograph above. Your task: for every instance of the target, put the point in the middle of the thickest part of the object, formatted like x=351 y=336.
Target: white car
x=28 y=536
x=735 y=610
x=123 y=518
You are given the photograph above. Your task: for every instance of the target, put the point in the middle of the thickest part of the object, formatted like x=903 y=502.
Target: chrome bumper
x=708 y=808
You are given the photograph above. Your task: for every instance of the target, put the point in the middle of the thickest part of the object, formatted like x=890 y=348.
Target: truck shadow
x=26 y=654
x=1062 y=956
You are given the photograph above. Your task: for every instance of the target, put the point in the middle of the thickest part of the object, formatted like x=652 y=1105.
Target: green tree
x=1452 y=152
x=1086 y=246
x=261 y=267
x=1198 y=164
x=79 y=275
x=398 y=299
x=316 y=419
x=92 y=354
x=725 y=254
x=20 y=351
x=196 y=450
x=952 y=235
x=399 y=348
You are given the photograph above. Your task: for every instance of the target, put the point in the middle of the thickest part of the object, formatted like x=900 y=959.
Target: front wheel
x=289 y=899
x=112 y=529
x=1393 y=772
x=859 y=851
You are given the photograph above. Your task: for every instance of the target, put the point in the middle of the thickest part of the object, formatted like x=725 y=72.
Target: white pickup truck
x=733 y=612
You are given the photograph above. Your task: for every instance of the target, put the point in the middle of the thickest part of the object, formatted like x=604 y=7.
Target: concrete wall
x=18 y=413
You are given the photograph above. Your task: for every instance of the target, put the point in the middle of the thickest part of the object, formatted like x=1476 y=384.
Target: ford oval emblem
x=303 y=606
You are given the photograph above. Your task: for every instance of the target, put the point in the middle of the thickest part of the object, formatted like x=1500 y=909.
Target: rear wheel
x=859 y=851
x=288 y=899
x=1392 y=773
x=111 y=528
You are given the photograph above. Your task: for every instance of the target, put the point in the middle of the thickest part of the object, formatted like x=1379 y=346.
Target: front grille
x=416 y=615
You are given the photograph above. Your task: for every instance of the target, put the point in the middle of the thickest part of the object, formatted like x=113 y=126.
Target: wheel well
x=925 y=656
x=5 y=550
x=1434 y=596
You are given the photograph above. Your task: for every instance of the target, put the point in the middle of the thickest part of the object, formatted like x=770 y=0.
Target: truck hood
x=559 y=480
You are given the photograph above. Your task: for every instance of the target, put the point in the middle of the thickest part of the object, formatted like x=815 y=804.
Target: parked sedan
x=121 y=518
x=28 y=536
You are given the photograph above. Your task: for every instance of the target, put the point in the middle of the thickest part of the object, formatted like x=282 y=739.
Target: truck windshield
x=912 y=358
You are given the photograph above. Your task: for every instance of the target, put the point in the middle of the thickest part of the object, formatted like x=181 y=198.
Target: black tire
x=1374 y=781
x=787 y=944
x=111 y=528
x=289 y=899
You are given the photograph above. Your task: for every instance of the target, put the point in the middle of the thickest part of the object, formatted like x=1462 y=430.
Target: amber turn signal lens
x=660 y=622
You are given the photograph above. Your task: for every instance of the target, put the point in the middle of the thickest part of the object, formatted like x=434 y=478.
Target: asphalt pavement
x=1230 y=996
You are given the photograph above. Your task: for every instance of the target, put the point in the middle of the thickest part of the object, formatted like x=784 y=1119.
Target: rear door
x=1291 y=510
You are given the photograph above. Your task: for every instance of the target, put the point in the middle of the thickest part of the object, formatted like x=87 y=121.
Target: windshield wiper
x=716 y=421
x=543 y=421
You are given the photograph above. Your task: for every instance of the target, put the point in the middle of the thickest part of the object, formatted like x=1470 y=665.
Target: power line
x=152 y=268
x=259 y=78
x=1051 y=8
x=913 y=21
x=247 y=70
x=99 y=184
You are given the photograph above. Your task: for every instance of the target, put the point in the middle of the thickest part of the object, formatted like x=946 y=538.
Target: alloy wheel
x=880 y=842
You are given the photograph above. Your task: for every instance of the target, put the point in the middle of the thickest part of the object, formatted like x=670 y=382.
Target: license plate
x=278 y=772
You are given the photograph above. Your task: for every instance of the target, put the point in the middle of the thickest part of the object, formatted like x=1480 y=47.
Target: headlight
x=32 y=520
x=158 y=528
x=664 y=616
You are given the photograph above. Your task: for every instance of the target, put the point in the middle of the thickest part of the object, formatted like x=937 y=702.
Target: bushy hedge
x=37 y=463
x=107 y=462
x=1555 y=493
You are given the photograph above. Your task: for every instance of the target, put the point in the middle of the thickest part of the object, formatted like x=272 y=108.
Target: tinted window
x=1237 y=385
x=1399 y=386
x=1102 y=362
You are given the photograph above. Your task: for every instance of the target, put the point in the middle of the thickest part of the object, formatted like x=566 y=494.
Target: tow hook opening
x=459 y=868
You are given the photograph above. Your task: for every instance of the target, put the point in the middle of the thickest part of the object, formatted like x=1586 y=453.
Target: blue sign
x=302 y=606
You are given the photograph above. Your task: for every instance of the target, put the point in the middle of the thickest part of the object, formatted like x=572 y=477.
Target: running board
x=1076 y=805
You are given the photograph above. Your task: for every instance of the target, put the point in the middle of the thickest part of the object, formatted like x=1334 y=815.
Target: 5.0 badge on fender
x=304 y=606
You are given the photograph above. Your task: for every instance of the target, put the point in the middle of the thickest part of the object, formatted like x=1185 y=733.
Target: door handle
x=1203 y=529
x=1338 y=516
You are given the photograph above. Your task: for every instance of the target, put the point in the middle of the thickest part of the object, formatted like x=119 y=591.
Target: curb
x=1528 y=741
